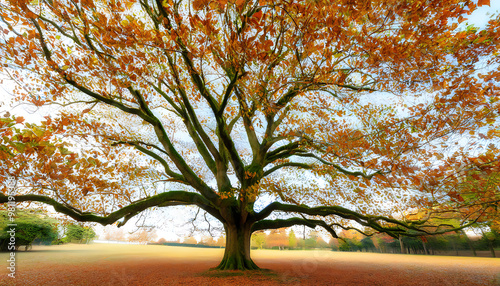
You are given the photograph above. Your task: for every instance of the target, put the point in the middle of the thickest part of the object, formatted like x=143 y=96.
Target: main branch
x=179 y=197
x=392 y=227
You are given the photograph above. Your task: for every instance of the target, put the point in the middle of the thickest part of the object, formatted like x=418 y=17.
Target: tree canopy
x=322 y=111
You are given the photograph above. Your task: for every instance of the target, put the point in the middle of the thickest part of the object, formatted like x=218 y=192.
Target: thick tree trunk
x=237 y=251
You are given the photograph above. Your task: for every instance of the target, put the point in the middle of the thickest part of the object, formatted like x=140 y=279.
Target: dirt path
x=102 y=264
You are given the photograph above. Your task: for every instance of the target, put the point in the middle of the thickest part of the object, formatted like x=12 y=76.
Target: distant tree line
x=449 y=243
x=453 y=242
x=190 y=241
x=142 y=235
x=280 y=239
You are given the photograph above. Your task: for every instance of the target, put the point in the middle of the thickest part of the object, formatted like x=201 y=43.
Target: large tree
x=320 y=111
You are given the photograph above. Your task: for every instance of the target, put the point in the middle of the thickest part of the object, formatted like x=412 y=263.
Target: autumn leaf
x=483 y=3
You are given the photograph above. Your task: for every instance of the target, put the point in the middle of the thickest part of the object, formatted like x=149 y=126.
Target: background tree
x=143 y=236
x=311 y=240
x=259 y=239
x=292 y=239
x=384 y=243
x=367 y=244
x=29 y=227
x=321 y=243
x=229 y=102
x=277 y=238
x=78 y=233
x=221 y=241
x=114 y=234
x=334 y=243
x=190 y=240
x=208 y=240
x=489 y=239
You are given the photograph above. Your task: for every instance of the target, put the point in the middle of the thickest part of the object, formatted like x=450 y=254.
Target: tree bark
x=492 y=250
x=469 y=242
x=425 y=248
x=455 y=246
x=403 y=250
x=237 y=251
x=490 y=244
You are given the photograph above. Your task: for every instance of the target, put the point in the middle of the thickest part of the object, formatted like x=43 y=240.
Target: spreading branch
x=163 y=199
x=391 y=226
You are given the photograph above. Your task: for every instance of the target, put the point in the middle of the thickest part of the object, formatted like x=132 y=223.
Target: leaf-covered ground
x=110 y=264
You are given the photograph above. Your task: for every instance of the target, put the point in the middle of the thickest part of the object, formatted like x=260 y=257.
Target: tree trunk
x=455 y=247
x=469 y=242
x=425 y=248
x=490 y=244
x=492 y=250
x=304 y=233
x=237 y=251
x=403 y=250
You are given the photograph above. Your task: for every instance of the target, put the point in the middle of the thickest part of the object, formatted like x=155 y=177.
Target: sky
x=480 y=18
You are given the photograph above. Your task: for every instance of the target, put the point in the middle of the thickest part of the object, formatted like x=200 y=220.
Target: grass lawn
x=118 y=264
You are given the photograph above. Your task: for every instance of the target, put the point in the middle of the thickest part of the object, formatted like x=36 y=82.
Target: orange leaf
x=258 y=15
x=483 y=2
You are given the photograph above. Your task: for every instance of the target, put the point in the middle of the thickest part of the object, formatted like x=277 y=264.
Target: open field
x=112 y=264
